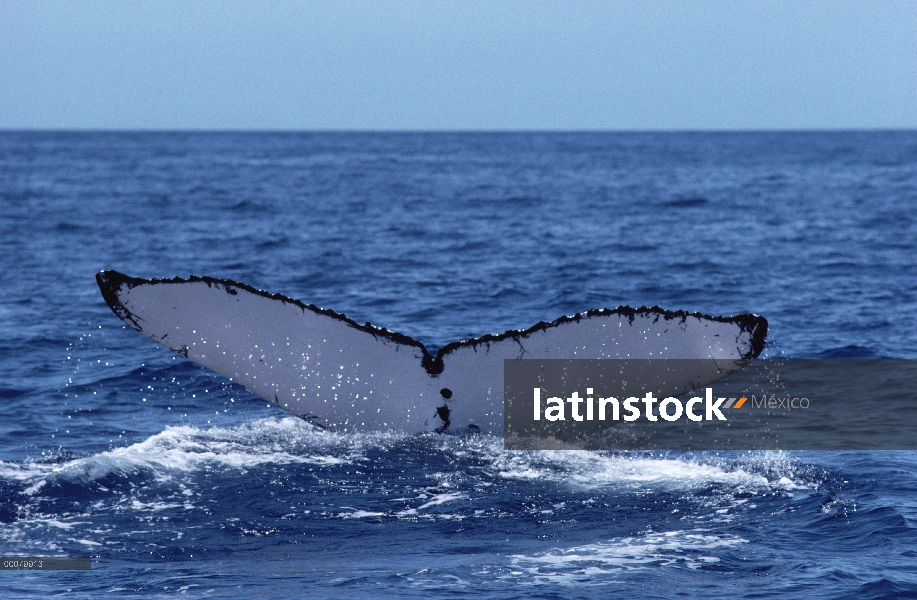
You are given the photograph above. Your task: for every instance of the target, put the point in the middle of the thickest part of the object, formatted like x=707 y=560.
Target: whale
x=338 y=374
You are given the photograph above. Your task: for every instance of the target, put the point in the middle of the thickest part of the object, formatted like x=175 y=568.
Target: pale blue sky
x=434 y=65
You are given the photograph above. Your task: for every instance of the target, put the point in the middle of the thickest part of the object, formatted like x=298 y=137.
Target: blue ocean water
x=178 y=482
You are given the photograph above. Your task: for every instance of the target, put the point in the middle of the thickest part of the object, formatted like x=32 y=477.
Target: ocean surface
x=178 y=482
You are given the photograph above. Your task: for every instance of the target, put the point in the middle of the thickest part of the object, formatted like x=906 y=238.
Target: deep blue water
x=176 y=480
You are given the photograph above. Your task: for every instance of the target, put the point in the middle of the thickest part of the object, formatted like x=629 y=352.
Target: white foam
x=441 y=499
x=584 y=564
x=23 y=472
x=359 y=514
x=185 y=449
x=62 y=524
x=596 y=470
x=289 y=440
x=88 y=542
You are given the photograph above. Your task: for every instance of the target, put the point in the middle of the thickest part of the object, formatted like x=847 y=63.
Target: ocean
x=178 y=482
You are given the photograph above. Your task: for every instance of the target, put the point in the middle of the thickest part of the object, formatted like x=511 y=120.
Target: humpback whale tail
x=334 y=372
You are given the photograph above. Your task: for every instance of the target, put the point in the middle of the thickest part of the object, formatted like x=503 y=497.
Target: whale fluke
x=336 y=373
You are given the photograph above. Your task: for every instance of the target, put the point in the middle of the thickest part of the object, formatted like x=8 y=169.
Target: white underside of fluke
x=325 y=368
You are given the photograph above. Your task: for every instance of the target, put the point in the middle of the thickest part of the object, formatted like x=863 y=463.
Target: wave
x=186 y=449
x=591 y=564
x=289 y=440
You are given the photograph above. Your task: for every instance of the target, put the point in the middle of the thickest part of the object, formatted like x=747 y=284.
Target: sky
x=458 y=65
